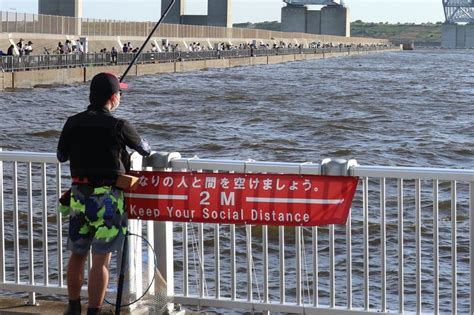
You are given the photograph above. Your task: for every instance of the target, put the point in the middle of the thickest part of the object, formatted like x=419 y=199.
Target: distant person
x=11 y=50
x=125 y=48
x=114 y=55
x=29 y=48
x=21 y=46
x=79 y=47
x=59 y=48
x=67 y=48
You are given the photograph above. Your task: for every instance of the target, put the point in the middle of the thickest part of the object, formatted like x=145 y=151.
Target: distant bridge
x=455 y=35
x=458 y=11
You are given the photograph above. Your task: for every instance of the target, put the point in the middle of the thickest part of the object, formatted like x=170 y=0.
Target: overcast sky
x=393 y=11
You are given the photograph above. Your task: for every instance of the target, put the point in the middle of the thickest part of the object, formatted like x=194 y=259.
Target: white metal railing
x=30 y=184
x=355 y=268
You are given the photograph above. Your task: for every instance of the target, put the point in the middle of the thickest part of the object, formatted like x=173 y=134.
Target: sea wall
x=36 y=78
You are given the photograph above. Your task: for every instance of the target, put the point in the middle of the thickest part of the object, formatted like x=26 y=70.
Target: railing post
x=163 y=231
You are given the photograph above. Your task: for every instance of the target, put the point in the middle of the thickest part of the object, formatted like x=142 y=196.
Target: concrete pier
x=293 y=19
x=457 y=36
x=335 y=21
x=219 y=13
x=330 y=20
x=174 y=16
x=313 y=22
x=70 y=8
x=60 y=7
x=31 y=79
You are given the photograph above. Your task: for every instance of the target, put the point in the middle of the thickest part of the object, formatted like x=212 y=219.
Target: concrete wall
x=449 y=36
x=293 y=19
x=174 y=16
x=335 y=21
x=60 y=7
x=219 y=13
x=313 y=22
x=194 y=19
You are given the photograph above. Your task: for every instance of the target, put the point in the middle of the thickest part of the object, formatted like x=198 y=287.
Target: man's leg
x=75 y=279
x=75 y=275
x=98 y=279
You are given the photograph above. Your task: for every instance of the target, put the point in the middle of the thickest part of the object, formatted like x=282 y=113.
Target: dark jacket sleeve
x=133 y=140
x=64 y=144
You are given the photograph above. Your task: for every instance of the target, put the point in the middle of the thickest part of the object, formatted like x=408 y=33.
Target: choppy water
x=402 y=108
x=392 y=108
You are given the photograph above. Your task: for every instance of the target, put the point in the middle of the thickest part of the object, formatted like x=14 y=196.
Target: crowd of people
x=77 y=47
x=23 y=48
x=69 y=47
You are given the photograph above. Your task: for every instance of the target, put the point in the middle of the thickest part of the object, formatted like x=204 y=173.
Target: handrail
x=305 y=168
x=34 y=157
x=60 y=61
x=415 y=173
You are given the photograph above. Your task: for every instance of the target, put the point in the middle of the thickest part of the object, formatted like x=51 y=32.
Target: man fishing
x=95 y=143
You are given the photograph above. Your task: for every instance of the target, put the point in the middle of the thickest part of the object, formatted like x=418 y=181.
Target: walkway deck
x=18 y=306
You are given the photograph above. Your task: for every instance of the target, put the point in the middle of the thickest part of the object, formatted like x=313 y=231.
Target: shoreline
x=10 y=81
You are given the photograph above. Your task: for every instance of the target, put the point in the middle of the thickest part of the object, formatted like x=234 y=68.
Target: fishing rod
x=118 y=304
x=134 y=60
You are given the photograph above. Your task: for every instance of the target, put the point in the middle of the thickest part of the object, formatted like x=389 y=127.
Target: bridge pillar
x=60 y=7
x=72 y=8
x=449 y=36
x=458 y=36
x=293 y=18
x=174 y=16
x=313 y=22
x=335 y=21
x=219 y=13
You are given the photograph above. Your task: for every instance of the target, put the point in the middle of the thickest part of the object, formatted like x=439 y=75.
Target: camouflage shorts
x=97 y=219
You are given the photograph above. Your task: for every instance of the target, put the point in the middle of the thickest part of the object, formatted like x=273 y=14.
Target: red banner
x=266 y=199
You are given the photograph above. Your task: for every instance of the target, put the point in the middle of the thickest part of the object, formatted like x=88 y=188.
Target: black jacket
x=95 y=142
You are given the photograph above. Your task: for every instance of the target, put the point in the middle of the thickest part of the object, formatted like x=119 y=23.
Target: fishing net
x=144 y=288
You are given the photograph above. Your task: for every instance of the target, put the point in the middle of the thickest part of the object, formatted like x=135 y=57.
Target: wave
x=46 y=134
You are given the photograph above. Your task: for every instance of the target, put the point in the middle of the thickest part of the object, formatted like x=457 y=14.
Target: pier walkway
x=32 y=71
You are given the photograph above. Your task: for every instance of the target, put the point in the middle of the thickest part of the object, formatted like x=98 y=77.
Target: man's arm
x=133 y=140
x=63 y=145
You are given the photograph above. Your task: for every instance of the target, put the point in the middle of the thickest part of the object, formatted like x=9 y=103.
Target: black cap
x=103 y=86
